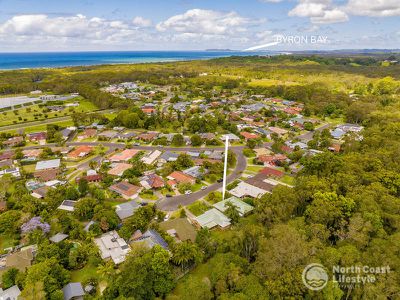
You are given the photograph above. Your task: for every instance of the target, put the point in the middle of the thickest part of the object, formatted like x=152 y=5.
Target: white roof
x=212 y=218
x=149 y=159
x=245 y=189
x=111 y=245
x=48 y=164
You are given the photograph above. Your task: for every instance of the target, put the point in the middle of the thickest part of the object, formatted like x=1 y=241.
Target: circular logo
x=315 y=277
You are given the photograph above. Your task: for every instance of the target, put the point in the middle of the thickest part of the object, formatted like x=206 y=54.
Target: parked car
x=203 y=187
x=188 y=192
x=168 y=195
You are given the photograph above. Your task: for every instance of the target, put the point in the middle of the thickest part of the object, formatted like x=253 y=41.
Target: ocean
x=9 y=61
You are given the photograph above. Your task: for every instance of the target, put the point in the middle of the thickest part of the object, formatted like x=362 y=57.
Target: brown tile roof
x=80 y=151
x=248 y=135
x=258 y=181
x=118 y=169
x=46 y=175
x=181 y=177
x=124 y=188
x=125 y=155
x=269 y=171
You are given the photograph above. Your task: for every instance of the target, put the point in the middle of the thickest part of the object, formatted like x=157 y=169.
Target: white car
x=188 y=192
x=203 y=187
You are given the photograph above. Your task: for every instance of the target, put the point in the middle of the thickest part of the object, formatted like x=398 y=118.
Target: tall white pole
x=225 y=166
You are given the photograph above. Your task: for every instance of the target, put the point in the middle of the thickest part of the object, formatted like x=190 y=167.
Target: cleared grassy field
x=36 y=113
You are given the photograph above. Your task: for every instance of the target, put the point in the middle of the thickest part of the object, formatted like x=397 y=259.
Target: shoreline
x=54 y=60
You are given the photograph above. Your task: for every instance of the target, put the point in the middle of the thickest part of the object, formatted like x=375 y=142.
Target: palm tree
x=106 y=270
x=185 y=254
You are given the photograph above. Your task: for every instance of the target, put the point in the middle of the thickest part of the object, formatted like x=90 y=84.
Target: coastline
x=55 y=60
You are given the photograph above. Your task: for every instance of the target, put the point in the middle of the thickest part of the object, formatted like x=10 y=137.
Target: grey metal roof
x=11 y=293
x=73 y=289
x=152 y=238
x=58 y=237
x=127 y=209
x=48 y=164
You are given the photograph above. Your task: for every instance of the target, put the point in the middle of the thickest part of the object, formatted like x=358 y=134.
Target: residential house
x=12 y=171
x=244 y=189
x=150 y=238
x=272 y=172
x=147 y=137
x=14 y=141
x=152 y=181
x=178 y=177
x=59 y=237
x=151 y=157
x=68 y=205
x=48 y=169
x=211 y=219
x=40 y=192
x=126 y=135
x=124 y=155
x=80 y=152
x=117 y=169
x=90 y=178
x=242 y=207
x=249 y=136
x=87 y=134
x=66 y=133
x=207 y=136
x=108 y=134
x=194 y=171
x=112 y=246
x=127 y=209
x=6 y=155
x=21 y=259
x=231 y=137
x=278 y=131
x=46 y=165
x=73 y=291
x=125 y=189
x=180 y=229
x=168 y=156
x=11 y=293
x=38 y=137
x=32 y=154
x=274 y=159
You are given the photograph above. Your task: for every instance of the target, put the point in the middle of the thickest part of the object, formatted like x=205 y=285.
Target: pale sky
x=76 y=25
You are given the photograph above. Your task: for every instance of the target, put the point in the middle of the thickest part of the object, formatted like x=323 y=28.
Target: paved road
x=171 y=203
x=308 y=136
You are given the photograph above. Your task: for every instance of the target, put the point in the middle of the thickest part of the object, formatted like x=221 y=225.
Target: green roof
x=242 y=206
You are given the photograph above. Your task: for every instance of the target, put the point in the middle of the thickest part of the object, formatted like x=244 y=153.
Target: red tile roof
x=80 y=151
x=125 y=155
x=272 y=172
x=248 y=135
x=181 y=177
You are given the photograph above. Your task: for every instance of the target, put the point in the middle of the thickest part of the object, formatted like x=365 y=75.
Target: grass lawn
x=197 y=208
x=83 y=274
x=148 y=196
x=7 y=241
x=254 y=168
x=36 y=113
x=288 y=179
x=270 y=82
x=29 y=168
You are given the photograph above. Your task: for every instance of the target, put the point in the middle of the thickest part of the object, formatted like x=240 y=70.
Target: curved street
x=168 y=203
